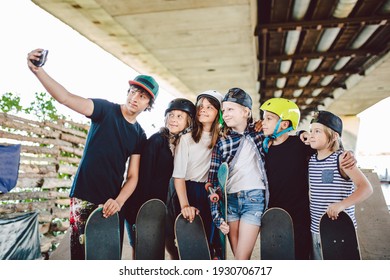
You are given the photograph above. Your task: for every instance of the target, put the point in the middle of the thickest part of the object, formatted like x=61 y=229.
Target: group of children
x=267 y=167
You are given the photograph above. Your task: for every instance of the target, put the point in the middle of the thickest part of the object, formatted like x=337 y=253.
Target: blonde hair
x=333 y=139
x=175 y=139
x=225 y=129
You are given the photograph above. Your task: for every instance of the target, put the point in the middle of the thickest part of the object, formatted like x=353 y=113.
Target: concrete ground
x=63 y=250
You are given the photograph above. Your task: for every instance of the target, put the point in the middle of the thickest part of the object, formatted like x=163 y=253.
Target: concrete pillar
x=350 y=131
x=373 y=223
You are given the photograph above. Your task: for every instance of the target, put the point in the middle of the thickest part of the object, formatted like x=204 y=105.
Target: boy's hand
x=258 y=125
x=110 y=208
x=347 y=160
x=334 y=209
x=33 y=55
x=304 y=136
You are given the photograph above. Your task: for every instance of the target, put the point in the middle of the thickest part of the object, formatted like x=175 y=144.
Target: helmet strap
x=220 y=118
x=275 y=135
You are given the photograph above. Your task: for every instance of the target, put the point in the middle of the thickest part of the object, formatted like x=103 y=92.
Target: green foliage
x=43 y=107
x=10 y=103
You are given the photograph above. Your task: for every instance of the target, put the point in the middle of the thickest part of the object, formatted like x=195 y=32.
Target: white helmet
x=212 y=94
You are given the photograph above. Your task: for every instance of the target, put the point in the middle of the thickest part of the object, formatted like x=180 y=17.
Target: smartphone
x=42 y=59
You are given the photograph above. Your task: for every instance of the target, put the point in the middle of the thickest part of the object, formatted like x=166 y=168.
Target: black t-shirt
x=111 y=141
x=156 y=169
x=155 y=172
x=287 y=172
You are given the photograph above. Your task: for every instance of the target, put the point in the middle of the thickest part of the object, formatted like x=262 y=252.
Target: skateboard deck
x=102 y=237
x=150 y=231
x=223 y=174
x=277 y=235
x=338 y=238
x=191 y=239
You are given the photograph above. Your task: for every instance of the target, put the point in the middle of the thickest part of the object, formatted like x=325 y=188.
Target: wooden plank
x=21 y=195
x=67 y=169
x=51 y=183
x=33 y=139
x=73 y=139
x=26 y=206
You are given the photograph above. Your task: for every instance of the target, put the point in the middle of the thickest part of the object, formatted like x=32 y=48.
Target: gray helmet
x=213 y=94
x=238 y=96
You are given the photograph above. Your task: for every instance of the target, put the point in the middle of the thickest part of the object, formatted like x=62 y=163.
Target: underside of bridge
x=323 y=54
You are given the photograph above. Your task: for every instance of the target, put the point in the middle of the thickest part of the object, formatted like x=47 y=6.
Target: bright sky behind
x=80 y=66
x=87 y=70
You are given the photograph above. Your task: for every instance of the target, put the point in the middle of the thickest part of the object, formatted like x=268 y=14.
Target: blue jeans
x=247 y=206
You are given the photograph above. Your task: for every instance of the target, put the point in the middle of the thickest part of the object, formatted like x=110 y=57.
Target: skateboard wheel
x=214 y=197
x=81 y=239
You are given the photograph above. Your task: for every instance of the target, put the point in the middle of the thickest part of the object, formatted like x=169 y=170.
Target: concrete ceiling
x=194 y=45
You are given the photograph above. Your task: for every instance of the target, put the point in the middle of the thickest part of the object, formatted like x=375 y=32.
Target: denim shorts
x=316 y=250
x=247 y=206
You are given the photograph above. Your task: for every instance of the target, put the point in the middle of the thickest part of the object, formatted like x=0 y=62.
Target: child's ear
x=285 y=124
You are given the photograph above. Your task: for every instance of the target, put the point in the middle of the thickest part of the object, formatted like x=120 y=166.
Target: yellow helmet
x=284 y=108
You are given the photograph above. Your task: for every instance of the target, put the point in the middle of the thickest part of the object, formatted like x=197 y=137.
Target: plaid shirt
x=224 y=151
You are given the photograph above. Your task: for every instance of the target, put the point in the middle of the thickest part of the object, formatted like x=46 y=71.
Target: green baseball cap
x=148 y=83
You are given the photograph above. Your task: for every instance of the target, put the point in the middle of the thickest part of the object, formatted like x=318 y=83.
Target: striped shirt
x=327 y=186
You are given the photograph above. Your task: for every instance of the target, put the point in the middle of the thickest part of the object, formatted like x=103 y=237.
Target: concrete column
x=350 y=131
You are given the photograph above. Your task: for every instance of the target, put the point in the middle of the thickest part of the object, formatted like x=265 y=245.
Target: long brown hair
x=215 y=127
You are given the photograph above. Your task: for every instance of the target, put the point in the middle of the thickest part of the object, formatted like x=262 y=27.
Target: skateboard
x=150 y=231
x=102 y=237
x=277 y=235
x=191 y=240
x=223 y=174
x=338 y=238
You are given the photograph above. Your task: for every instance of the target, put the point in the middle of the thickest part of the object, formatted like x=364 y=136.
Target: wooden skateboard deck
x=191 y=239
x=277 y=235
x=150 y=231
x=338 y=238
x=102 y=237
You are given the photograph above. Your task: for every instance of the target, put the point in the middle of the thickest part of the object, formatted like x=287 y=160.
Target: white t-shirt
x=246 y=172
x=192 y=160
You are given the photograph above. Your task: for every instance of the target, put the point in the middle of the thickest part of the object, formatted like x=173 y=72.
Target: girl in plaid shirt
x=247 y=186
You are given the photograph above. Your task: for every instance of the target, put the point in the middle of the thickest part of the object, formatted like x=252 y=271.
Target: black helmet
x=182 y=104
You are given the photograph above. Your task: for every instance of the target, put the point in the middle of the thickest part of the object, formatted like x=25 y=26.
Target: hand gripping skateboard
x=276 y=235
x=102 y=237
x=338 y=238
x=191 y=240
x=150 y=231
